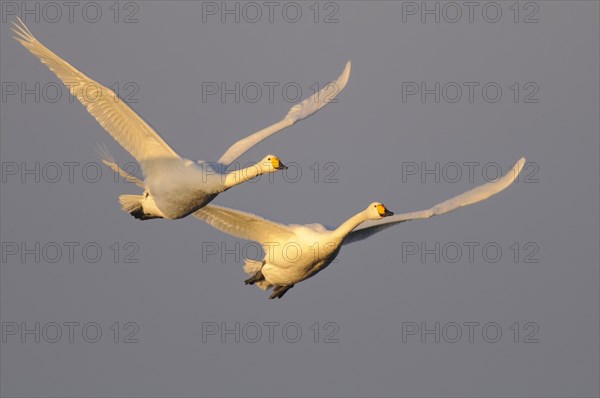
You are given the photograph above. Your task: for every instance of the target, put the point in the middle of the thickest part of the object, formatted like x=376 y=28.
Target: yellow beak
x=277 y=165
x=383 y=212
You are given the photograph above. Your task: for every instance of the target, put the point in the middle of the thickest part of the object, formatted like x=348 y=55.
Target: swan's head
x=271 y=164
x=377 y=210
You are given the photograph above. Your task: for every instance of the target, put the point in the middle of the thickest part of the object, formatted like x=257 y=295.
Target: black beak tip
x=388 y=213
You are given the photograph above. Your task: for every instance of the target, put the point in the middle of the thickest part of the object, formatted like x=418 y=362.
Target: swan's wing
x=243 y=225
x=108 y=160
x=475 y=195
x=297 y=112
x=117 y=118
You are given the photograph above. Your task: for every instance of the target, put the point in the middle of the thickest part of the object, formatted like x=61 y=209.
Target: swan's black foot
x=279 y=291
x=148 y=217
x=255 y=278
x=140 y=215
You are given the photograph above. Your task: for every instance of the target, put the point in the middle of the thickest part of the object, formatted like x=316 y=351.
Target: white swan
x=174 y=186
x=294 y=253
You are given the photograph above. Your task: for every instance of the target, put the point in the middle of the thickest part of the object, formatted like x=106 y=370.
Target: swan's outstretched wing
x=297 y=112
x=475 y=195
x=243 y=225
x=117 y=118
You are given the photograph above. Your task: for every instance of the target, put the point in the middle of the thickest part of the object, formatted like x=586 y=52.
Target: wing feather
x=243 y=225
x=470 y=197
x=113 y=114
x=109 y=161
x=297 y=112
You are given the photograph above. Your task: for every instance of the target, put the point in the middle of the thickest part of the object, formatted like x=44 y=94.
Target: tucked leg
x=254 y=278
x=279 y=291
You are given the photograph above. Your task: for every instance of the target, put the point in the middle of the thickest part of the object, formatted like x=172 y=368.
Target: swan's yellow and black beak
x=277 y=165
x=383 y=212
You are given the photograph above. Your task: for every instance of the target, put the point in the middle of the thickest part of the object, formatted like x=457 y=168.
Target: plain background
x=369 y=134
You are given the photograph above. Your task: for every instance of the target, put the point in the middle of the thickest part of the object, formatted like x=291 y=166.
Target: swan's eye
x=268 y=158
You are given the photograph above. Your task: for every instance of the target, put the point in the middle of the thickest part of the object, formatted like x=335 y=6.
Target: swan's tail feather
x=132 y=204
x=252 y=267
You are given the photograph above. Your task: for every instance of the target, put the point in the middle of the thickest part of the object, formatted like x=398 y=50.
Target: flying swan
x=294 y=253
x=315 y=245
x=174 y=187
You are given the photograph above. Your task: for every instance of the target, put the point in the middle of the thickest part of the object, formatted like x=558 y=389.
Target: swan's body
x=174 y=187
x=294 y=253
x=179 y=188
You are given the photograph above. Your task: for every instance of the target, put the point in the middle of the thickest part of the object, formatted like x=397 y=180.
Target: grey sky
x=377 y=291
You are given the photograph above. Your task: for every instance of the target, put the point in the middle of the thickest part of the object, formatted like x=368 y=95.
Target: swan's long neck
x=239 y=176
x=350 y=224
